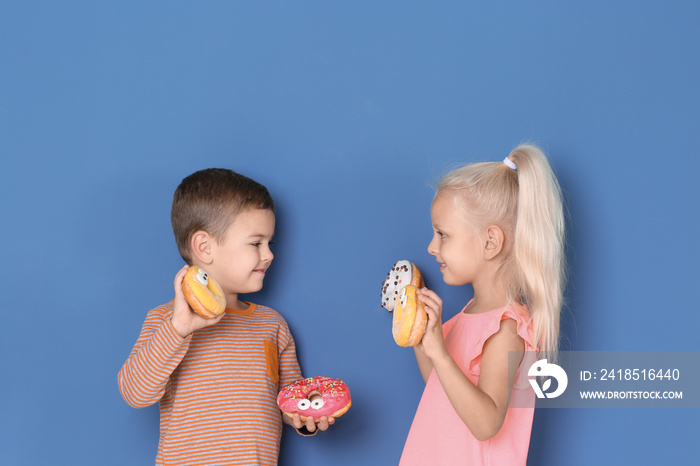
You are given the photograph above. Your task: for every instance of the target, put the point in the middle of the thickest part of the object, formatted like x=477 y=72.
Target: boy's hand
x=311 y=425
x=433 y=342
x=184 y=319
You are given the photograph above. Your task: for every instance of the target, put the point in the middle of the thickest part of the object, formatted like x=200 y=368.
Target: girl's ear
x=201 y=246
x=494 y=242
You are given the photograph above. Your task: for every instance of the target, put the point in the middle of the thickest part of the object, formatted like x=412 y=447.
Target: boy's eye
x=259 y=243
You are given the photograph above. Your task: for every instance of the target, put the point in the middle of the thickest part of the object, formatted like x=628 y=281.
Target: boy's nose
x=267 y=255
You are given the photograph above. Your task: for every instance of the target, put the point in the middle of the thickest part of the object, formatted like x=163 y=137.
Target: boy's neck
x=232 y=302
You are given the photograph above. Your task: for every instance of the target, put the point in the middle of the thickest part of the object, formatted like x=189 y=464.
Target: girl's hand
x=184 y=319
x=433 y=342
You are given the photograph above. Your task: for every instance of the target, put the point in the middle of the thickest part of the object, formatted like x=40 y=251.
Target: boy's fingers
x=310 y=424
x=325 y=422
x=178 y=280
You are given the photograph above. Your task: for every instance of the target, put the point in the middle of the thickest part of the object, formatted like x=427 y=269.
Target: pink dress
x=438 y=436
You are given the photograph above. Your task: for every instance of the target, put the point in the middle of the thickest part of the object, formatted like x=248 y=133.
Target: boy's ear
x=201 y=246
x=494 y=242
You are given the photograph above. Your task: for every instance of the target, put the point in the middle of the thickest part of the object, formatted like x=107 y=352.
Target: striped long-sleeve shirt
x=217 y=388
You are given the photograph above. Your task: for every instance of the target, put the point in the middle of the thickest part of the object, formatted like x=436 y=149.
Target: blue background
x=347 y=111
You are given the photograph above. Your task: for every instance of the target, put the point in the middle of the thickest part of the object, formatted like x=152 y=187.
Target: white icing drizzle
x=400 y=276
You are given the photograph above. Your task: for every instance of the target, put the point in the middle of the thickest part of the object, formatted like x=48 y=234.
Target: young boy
x=217 y=379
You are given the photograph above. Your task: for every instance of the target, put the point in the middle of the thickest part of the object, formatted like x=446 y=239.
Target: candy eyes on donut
x=202 y=277
x=306 y=404
x=317 y=404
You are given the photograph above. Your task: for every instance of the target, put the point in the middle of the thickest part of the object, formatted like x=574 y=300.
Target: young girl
x=500 y=227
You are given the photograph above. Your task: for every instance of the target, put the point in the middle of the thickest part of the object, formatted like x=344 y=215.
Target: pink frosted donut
x=315 y=397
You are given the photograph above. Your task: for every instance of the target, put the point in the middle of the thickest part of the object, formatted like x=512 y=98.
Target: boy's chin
x=252 y=288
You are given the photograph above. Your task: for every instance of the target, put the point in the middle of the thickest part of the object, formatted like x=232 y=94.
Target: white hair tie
x=510 y=163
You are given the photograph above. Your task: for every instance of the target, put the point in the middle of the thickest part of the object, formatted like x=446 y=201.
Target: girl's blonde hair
x=526 y=203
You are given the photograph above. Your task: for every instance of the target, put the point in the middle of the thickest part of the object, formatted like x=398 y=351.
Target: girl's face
x=456 y=247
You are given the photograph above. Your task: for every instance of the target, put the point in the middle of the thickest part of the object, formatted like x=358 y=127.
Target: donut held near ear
x=400 y=296
x=203 y=294
x=315 y=397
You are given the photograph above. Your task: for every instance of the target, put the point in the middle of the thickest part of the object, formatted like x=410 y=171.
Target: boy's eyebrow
x=257 y=235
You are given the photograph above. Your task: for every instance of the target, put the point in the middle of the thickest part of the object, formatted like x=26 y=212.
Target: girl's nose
x=432 y=247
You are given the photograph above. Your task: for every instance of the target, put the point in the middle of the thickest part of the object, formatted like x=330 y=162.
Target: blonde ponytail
x=526 y=202
x=538 y=250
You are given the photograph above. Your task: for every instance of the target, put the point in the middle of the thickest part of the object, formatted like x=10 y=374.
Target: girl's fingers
x=432 y=301
x=429 y=294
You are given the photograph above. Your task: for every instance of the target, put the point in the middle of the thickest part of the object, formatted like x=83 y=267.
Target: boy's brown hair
x=209 y=200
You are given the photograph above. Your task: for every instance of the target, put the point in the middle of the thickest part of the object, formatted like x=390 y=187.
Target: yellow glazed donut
x=399 y=294
x=203 y=294
x=410 y=318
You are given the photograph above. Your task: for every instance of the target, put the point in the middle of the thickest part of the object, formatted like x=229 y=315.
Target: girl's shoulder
x=517 y=314
x=490 y=322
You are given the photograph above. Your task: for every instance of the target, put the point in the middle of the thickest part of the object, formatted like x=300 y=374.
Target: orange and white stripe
x=217 y=388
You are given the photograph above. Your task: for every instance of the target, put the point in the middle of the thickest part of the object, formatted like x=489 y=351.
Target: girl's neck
x=486 y=298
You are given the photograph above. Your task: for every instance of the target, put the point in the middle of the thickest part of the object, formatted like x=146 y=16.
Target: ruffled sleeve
x=524 y=329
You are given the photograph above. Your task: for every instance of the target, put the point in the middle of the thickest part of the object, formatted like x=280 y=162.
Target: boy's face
x=243 y=255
